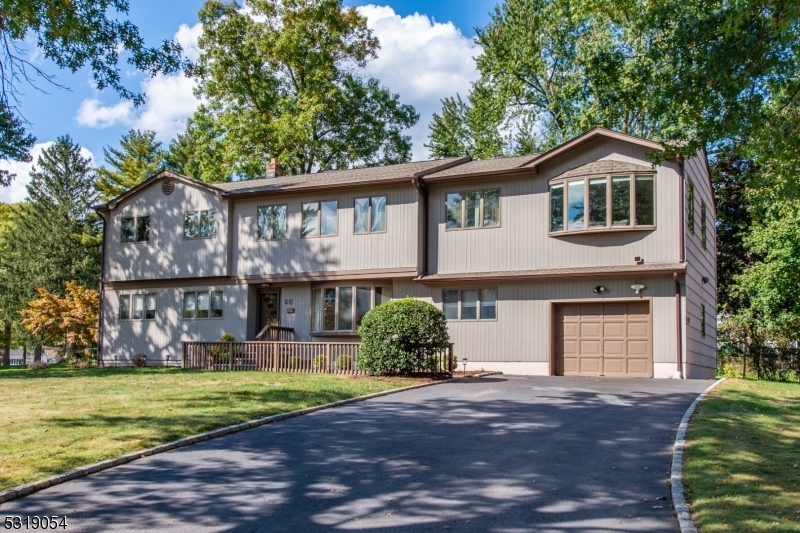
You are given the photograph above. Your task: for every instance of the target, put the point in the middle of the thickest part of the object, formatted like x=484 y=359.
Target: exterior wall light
x=599 y=289
x=637 y=288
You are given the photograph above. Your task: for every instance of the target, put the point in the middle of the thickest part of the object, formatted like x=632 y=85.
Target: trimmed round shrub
x=319 y=362
x=139 y=359
x=402 y=336
x=344 y=362
x=294 y=362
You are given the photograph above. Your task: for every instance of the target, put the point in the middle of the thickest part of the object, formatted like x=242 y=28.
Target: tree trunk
x=25 y=354
x=37 y=353
x=7 y=351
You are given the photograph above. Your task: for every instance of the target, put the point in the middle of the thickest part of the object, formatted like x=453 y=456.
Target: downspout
x=682 y=208
x=678 y=332
x=420 y=186
x=102 y=292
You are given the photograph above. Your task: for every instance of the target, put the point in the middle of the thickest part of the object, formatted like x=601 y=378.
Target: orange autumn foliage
x=75 y=316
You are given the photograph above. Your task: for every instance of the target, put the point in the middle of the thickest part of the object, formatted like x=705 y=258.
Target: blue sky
x=426 y=55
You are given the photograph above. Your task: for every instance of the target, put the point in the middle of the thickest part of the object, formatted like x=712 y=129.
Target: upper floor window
x=137 y=306
x=690 y=206
x=477 y=209
x=370 y=215
x=320 y=219
x=343 y=308
x=199 y=224
x=136 y=229
x=602 y=203
x=272 y=222
x=202 y=304
x=469 y=304
x=703 y=224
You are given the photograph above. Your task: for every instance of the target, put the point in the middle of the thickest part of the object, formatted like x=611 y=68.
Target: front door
x=269 y=309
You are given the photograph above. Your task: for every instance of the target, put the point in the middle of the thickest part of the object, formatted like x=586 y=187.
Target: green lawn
x=742 y=464
x=57 y=419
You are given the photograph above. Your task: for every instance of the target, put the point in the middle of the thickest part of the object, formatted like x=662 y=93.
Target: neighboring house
x=584 y=260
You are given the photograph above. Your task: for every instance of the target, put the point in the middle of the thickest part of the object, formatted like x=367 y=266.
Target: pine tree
x=53 y=236
x=138 y=157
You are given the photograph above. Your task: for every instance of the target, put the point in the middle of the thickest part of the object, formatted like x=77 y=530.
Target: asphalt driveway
x=496 y=454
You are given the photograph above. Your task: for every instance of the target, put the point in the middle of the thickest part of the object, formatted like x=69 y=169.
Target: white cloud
x=17 y=192
x=422 y=60
x=170 y=99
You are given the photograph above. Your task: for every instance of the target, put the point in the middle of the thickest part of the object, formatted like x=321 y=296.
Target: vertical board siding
x=521 y=332
x=522 y=241
x=701 y=352
x=163 y=336
x=167 y=254
x=395 y=248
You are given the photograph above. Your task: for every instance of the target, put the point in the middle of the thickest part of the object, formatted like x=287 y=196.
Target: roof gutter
x=682 y=209
x=678 y=335
x=423 y=193
x=102 y=289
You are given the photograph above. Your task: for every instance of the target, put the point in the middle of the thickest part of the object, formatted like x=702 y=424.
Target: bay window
x=602 y=202
x=475 y=209
x=370 y=215
x=343 y=308
x=470 y=304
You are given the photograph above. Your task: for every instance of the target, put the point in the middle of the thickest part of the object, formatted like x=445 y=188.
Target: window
x=202 y=304
x=703 y=224
x=136 y=229
x=603 y=202
x=137 y=306
x=370 y=215
x=343 y=308
x=272 y=222
x=319 y=219
x=702 y=320
x=469 y=304
x=476 y=209
x=199 y=224
x=690 y=207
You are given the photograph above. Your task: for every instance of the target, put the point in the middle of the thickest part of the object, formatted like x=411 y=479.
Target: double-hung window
x=475 y=209
x=602 y=202
x=137 y=306
x=470 y=304
x=199 y=224
x=320 y=219
x=202 y=304
x=272 y=222
x=135 y=229
x=342 y=308
x=370 y=215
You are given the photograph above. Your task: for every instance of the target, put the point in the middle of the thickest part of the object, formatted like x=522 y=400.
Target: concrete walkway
x=496 y=454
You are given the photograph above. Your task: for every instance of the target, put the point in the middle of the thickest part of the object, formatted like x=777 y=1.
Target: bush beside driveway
x=742 y=464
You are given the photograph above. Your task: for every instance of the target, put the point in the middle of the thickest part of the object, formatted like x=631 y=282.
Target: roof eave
x=678 y=268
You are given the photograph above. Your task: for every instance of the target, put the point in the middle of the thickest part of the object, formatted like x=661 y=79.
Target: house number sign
x=288 y=301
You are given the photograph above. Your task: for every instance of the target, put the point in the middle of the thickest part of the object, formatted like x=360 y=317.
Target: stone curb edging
x=83 y=471
x=676 y=475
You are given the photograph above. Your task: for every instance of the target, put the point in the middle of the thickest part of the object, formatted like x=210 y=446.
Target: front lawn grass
x=54 y=420
x=742 y=463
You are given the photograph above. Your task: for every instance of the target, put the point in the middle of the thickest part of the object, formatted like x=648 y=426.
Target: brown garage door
x=612 y=339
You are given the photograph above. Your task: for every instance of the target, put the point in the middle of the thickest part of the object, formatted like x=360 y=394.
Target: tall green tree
x=138 y=157
x=73 y=35
x=686 y=73
x=282 y=79
x=47 y=245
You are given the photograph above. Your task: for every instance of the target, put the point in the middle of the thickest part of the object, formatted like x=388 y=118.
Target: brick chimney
x=273 y=169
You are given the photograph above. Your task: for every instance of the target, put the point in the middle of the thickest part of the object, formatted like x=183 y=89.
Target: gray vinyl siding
x=522 y=241
x=522 y=330
x=395 y=248
x=164 y=335
x=167 y=254
x=701 y=352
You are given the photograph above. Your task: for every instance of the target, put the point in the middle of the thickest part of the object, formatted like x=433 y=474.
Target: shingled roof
x=605 y=166
x=483 y=166
x=340 y=177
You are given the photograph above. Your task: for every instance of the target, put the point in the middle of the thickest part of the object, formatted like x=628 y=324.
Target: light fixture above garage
x=638 y=288
x=599 y=289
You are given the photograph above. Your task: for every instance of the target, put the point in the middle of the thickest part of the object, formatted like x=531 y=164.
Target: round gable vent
x=167 y=187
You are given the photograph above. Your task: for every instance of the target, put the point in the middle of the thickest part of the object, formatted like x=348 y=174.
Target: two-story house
x=584 y=260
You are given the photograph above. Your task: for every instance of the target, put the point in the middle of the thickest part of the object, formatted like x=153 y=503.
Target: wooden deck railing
x=320 y=357
x=276 y=333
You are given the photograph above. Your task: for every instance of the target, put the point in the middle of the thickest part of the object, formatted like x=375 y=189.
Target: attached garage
x=604 y=339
